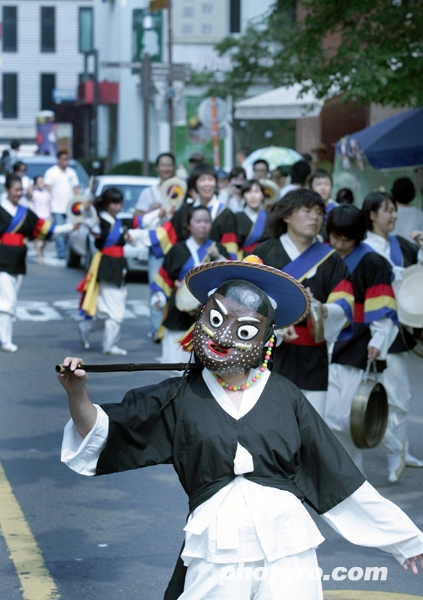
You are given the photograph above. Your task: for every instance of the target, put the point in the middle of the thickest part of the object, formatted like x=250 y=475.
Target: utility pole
x=145 y=85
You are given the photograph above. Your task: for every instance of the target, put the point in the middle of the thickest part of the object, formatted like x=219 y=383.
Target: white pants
x=317 y=400
x=290 y=578
x=343 y=383
x=9 y=288
x=110 y=314
x=396 y=379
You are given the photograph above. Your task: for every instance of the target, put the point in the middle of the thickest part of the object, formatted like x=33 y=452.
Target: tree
x=371 y=50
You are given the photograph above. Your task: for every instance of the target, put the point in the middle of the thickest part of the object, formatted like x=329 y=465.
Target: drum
x=271 y=192
x=75 y=212
x=369 y=413
x=314 y=323
x=173 y=191
x=409 y=295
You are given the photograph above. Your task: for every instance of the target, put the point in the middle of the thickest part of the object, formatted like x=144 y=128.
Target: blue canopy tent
x=392 y=143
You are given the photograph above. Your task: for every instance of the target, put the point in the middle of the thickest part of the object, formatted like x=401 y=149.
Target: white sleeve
x=145 y=200
x=334 y=322
x=81 y=454
x=61 y=230
x=383 y=332
x=75 y=180
x=368 y=519
x=139 y=237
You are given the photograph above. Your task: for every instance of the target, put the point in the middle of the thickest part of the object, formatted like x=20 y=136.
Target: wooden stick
x=127 y=367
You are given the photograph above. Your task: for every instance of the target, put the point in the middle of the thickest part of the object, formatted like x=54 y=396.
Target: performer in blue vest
x=251 y=221
x=169 y=281
x=104 y=287
x=292 y=226
x=247 y=446
x=18 y=223
x=375 y=321
x=380 y=211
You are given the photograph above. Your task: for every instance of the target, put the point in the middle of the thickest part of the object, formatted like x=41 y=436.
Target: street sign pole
x=169 y=22
x=145 y=84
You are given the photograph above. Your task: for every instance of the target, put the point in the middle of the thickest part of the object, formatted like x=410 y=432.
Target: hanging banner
x=196 y=135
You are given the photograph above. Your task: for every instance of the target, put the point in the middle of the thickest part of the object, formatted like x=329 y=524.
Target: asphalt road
x=117 y=537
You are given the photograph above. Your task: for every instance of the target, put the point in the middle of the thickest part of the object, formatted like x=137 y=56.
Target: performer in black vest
x=292 y=227
x=380 y=211
x=375 y=321
x=251 y=221
x=247 y=446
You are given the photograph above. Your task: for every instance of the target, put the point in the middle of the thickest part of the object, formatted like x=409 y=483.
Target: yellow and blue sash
x=17 y=220
x=395 y=251
x=309 y=260
x=356 y=255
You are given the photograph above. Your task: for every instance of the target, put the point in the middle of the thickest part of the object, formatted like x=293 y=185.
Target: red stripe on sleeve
x=344 y=286
x=38 y=227
x=380 y=290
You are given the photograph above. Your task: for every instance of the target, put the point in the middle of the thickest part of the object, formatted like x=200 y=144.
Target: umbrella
x=274 y=155
x=393 y=142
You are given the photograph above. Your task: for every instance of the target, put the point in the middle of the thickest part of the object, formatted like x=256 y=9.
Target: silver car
x=80 y=245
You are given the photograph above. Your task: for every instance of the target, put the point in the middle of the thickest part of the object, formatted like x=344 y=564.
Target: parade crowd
x=235 y=268
x=350 y=260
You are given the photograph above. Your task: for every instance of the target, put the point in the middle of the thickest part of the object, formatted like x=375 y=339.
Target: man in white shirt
x=62 y=183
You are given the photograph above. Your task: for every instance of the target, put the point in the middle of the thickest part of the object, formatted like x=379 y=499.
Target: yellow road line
x=349 y=595
x=36 y=581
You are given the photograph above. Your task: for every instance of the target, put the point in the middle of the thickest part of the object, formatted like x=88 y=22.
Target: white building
x=196 y=26
x=41 y=52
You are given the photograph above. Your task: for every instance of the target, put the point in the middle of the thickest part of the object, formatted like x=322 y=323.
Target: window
x=235 y=16
x=85 y=29
x=10 y=29
x=48 y=83
x=48 y=29
x=10 y=95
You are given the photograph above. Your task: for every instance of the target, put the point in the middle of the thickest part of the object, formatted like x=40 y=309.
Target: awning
x=281 y=103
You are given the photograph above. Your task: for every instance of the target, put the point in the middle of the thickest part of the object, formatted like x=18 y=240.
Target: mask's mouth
x=219 y=350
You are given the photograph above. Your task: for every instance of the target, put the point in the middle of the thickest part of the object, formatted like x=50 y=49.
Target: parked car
x=80 y=244
x=38 y=165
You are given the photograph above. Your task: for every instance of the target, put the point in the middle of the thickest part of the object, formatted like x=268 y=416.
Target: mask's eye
x=247 y=332
x=216 y=318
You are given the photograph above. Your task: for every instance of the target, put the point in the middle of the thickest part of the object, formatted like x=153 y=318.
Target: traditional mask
x=229 y=335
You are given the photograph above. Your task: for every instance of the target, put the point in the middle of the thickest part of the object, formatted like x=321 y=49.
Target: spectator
x=196 y=158
x=260 y=169
x=322 y=162
x=280 y=174
x=19 y=169
x=344 y=196
x=222 y=180
x=409 y=218
x=308 y=158
x=232 y=198
x=241 y=155
x=15 y=147
x=321 y=182
x=62 y=183
x=300 y=172
x=5 y=164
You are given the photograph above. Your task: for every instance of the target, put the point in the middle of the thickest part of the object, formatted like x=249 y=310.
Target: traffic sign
x=159 y=71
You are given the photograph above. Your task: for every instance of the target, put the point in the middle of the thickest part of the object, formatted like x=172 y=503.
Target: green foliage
x=370 y=49
x=132 y=167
